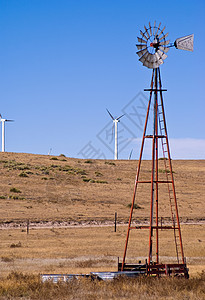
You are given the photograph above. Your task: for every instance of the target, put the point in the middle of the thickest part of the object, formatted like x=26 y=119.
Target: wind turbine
x=3 y=132
x=115 y=121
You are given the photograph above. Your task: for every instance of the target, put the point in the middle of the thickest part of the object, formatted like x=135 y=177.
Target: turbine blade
x=141 y=41
x=142 y=52
x=162 y=55
x=164 y=36
x=161 y=31
x=143 y=35
x=120 y=117
x=150 y=28
x=109 y=114
x=165 y=50
x=165 y=43
x=158 y=28
x=146 y=31
x=143 y=58
x=9 y=120
x=140 y=47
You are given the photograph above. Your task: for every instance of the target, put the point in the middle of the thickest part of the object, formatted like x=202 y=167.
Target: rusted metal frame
x=159 y=181
x=137 y=176
x=151 y=136
x=152 y=175
x=156 y=169
x=172 y=177
x=168 y=187
x=154 y=227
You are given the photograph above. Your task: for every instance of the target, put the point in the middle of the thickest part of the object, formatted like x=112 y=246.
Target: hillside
x=44 y=188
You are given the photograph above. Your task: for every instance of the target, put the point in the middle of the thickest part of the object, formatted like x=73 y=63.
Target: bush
x=53 y=158
x=18 y=245
x=23 y=174
x=110 y=163
x=136 y=206
x=15 y=190
x=88 y=161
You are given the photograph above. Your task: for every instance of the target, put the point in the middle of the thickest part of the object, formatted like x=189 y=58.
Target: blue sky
x=62 y=63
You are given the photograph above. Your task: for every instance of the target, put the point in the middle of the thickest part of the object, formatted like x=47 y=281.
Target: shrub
x=18 y=245
x=88 y=161
x=136 y=206
x=101 y=181
x=23 y=174
x=2 y=197
x=110 y=163
x=53 y=158
x=98 y=174
x=15 y=190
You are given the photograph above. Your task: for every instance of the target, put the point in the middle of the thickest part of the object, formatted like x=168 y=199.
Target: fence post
x=115 y=221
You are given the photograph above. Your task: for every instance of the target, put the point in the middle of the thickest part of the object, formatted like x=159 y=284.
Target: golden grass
x=62 y=191
x=64 y=196
x=86 y=249
x=17 y=285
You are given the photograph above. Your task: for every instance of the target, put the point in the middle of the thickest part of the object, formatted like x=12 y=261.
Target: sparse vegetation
x=98 y=174
x=88 y=161
x=54 y=158
x=18 y=245
x=136 y=206
x=17 y=285
x=23 y=174
x=14 y=190
x=3 y=197
x=110 y=163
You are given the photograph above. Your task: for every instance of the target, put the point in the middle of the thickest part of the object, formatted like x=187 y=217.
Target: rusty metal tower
x=153 y=47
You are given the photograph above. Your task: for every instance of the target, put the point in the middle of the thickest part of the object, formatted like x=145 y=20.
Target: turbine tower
x=115 y=122
x=3 y=132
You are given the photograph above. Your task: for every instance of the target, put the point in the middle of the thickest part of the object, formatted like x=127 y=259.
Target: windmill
x=152 y=48
x=3 y=132
x=115 y=123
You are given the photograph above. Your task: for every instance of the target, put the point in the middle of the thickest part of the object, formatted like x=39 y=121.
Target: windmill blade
x=154 y=27
x=150 y=29
x=110 y=114
x=143 y=35
x=9 y=120
x=146 y=31
x=141 y=41
x=159 y=58
x=161 y=31
x=165 y=43
x=185 y=43
x=158 y=28
x=142 y=52
x=161 y=54
x=140 y=47
x=120 y=117
x=165 y=50
x=152 y=65
x=143 y=58
x=164 y=36
x=152 y=58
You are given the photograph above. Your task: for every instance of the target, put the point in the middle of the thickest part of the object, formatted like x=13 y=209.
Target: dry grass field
x=70 y=204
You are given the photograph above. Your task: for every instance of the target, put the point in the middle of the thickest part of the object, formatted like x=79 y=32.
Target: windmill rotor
x=153 y=45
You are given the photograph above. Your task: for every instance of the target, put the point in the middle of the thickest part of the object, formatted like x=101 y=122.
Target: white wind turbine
x=115 y=121
x=3 y=132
